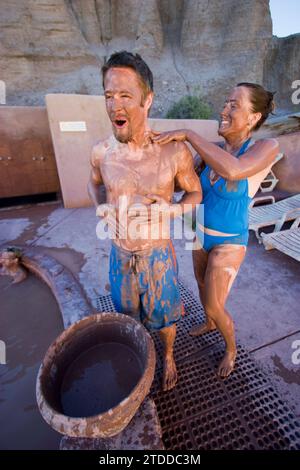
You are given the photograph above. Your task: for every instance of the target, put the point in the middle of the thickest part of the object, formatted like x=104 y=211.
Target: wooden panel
x=27 y=161
x=5 y=163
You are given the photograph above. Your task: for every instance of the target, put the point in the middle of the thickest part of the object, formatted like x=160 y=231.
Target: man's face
x=125 y=103
x=8 y=259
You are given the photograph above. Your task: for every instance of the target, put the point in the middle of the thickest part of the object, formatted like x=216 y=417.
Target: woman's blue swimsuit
x=226 y=206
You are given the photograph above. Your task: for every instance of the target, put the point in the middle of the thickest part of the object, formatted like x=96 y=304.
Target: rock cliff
x=204 y=45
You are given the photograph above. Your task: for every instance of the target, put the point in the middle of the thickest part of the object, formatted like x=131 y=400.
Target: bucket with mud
x=95 y=376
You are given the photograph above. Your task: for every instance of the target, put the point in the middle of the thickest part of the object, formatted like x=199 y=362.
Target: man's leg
x=124 y=286
x=167 y=336
x=161 y=305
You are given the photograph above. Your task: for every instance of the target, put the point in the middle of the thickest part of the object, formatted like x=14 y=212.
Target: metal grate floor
x=205 y=412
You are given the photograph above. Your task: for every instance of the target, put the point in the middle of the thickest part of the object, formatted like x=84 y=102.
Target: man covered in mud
x=10 y=265
x=139 y=177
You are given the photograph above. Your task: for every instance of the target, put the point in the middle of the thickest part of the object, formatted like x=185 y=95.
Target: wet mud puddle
x=99 y=379
x=30 y=320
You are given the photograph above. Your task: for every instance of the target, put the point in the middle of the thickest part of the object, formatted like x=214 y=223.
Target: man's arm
x=187 y=179
x=96 y=188
x=199 y=164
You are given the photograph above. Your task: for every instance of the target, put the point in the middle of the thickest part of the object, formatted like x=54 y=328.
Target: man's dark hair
x=262 y=101
x=133 y=61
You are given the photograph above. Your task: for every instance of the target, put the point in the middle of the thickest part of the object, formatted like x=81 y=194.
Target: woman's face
x=237 y=118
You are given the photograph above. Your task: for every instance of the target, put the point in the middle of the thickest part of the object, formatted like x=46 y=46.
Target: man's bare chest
x=138 y=176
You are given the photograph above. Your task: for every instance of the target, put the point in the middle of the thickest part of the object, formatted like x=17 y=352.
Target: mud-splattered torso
x=137 y=174
x=147 y=171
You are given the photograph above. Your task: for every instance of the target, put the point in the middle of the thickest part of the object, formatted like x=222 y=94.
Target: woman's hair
x=261 y=101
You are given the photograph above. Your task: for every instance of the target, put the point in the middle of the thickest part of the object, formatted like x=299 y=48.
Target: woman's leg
x=223 y=265
x=200 y=259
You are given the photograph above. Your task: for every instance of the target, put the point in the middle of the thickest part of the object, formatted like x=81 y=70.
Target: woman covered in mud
x=231 y=177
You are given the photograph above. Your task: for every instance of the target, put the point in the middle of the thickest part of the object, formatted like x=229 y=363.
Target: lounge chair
x=276 y=213
x=287 y=241
x=270 y=181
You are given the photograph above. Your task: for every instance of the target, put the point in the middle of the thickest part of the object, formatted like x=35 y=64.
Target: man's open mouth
x=120 y=123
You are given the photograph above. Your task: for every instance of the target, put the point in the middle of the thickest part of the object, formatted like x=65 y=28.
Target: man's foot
x=199 y=330
x=169 y=373
x=226 y=366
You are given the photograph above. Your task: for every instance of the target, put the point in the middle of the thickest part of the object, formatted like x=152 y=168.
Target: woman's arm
x=259 y=156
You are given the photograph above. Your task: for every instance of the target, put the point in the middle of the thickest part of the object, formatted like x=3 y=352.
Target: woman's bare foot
x=198 y=330
x=226 y=366
x=169 y=373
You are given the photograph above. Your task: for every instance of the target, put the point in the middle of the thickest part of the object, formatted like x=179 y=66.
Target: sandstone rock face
x=204 y=45
x=281 y=69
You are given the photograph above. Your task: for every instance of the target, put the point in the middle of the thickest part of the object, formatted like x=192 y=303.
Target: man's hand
x=142 y=211
x=153 y=213
x=164 y=207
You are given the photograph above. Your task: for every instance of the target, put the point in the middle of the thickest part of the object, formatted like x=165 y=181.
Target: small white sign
x=72 y=126
x=2 y=92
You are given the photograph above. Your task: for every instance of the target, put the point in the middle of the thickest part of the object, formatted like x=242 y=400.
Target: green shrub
x=189 y=107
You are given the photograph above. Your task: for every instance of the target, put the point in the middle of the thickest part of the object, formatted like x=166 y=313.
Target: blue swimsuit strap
x=244 y=147
x=241 y=151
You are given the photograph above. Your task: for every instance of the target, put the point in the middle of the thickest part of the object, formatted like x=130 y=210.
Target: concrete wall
x=287 y=170
x=25 y=137
x=73 y=149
